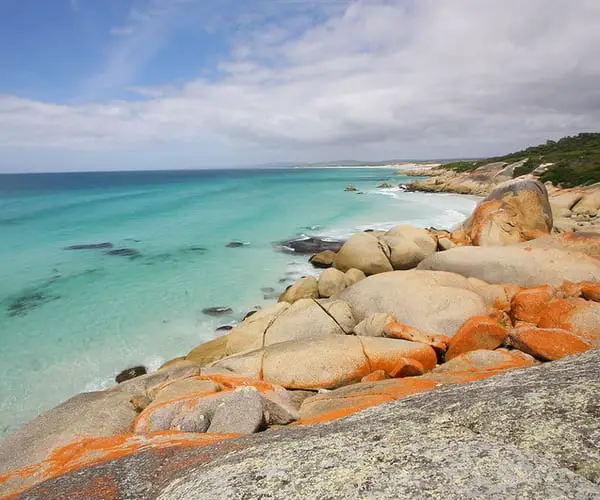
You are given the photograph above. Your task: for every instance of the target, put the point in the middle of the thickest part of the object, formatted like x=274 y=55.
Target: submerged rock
x=91 y=246
x=236 y=244
x=217 y=311
x=308 y=245
x=350 y=188
x=24 y=303
x=136 y=371
x=195 y=249
x=224 y=328
x=124 y=252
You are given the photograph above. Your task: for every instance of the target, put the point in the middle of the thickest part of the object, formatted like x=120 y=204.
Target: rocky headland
x=420 y=363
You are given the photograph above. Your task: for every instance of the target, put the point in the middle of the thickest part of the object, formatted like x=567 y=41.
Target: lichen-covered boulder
x=515 y=211
x=331 y=361
x=479 y=332
x=548 y=344
x=580 y=316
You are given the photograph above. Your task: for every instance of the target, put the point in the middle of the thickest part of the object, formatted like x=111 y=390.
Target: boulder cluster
x=393 y=313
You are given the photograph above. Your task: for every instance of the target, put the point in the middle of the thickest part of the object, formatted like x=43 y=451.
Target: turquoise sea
x=71 y=319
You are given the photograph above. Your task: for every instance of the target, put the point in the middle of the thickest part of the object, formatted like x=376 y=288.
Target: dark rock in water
x=350 y=188
x=23 y=304
x=236 y=244
x=91 y=246
x=124 y=252
x=217 y=311
x=136 y=371
x=385 y=185
x=224 y=328
x=285 y=280
x=368 y=230
x=267 y=289
x=197 y=249
x=271 y=296
x=250 y=313
x=308 y=245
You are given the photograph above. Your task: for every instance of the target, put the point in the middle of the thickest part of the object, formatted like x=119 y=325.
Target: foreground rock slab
x=528 y=433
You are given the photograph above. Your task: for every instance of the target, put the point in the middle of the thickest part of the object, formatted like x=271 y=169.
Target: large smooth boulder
x=408 y=246
x=328 y=362
x=515 y=211
x=308 y=318
x=524 y=266
x=431 y=302
x=331 y=282
x=365 y=252
x=87 y=415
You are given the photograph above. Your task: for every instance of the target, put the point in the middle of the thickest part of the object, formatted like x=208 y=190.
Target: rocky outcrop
x=459 y=441
x=515 y=211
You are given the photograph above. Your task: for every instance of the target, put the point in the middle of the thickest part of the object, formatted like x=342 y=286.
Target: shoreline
x=188 y=330
x=347 y=340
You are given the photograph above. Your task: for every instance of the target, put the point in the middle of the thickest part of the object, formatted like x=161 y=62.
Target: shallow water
x=71 y=319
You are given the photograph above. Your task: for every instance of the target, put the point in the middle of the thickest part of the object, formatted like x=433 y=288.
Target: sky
x=146 y=84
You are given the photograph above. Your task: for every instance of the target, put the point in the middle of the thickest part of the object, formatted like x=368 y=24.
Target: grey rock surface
x=241 y=413
x=532 y=433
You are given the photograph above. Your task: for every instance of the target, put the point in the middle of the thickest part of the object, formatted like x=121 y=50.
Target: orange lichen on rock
x=478 y=332
x=406 y=367
x=375 y=376
x=556 y=314
x=397 y=330
x=234 y=381
x=528 y=304
x=569 y=290
x=590 y=290
x=350 y=399
x=92 y=451
x=548 y=344
x=144 y=421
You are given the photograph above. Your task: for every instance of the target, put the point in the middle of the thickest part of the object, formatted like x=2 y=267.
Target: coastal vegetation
x=570 y=161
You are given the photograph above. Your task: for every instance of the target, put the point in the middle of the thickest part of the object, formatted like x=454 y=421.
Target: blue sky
x=133 y=84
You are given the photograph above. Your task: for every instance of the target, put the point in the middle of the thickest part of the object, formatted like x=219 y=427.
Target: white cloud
x=377 y=79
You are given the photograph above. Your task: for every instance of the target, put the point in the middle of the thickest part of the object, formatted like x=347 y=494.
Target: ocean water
x=70 y=320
